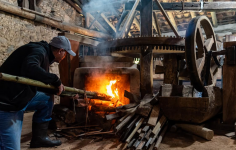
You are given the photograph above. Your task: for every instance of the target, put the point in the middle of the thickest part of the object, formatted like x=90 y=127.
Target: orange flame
x=109 y=89
x=109 y=84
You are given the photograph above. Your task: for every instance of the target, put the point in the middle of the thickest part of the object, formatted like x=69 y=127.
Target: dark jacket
x=31 y=61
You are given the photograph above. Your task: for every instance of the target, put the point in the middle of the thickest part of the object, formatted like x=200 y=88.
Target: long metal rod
x=22 y=80
x=15 y=10
x=167 y=18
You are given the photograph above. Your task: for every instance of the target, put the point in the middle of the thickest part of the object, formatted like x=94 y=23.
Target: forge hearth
x=96 y=79
x=96 y=76
x=98 y=73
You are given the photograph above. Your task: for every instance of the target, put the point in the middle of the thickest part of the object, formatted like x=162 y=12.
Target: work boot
x=40 y=137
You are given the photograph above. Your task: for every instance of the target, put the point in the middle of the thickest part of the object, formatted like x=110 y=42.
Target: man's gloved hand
x=76 y=96
x=60 y=89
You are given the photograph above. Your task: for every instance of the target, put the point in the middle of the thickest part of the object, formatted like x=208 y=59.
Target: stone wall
x=61 y=10
x=16 y=31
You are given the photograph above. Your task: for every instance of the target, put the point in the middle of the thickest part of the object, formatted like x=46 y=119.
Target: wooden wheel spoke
x=200 y=42
x=208 y=44
x=200 y=62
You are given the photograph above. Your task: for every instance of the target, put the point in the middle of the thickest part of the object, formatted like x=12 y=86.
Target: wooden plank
x=129 y=129
x=154 y=116
x=160 y=138
x=145 y=129
x=113 y=116
x=132 y=97
x=124 y=122
x=147 y=136
x=229 y=92
x=158 y=126
x=135 y=129
x=124 y=107
x=140 y=146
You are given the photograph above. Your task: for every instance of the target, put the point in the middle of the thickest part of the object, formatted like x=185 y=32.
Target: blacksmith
x=31 y=61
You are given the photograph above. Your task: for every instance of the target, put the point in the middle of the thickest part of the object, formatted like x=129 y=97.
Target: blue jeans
x=11 y=122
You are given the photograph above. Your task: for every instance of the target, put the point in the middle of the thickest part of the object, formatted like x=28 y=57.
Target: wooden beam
x=108 y=22
x=193 y=14
x=170 y=19
x=156 y=24
x=125 y=29
x=80 y=38
x=121 y=22
x=41 y=18
x=137 y=23
x=97 y=24
x=72 y=4
x=78 y=3
x=146 y=58
x=95 y=19
x=213 y=17
x=190 y=6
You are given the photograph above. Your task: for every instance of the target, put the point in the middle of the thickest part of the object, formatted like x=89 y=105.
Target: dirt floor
x=173 y=140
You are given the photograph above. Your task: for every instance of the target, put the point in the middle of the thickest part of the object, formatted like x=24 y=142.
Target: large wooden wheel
x=200 y=63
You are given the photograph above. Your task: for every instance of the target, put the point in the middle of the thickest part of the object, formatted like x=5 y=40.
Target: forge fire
x=109 y=84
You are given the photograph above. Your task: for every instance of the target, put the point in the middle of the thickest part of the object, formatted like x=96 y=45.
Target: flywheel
x=202 y=66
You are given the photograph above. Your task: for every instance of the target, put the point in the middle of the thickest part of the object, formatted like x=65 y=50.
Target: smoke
x=102 y=5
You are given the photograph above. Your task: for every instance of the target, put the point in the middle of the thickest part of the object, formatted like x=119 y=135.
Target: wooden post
x=146 y=55
x=229 y=86
x=170 y=75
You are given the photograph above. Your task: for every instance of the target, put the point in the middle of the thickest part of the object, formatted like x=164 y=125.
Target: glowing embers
x=113 y=85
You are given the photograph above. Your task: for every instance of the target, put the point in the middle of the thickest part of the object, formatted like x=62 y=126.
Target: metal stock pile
x=140 y=122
